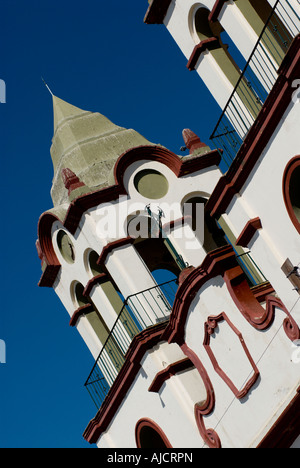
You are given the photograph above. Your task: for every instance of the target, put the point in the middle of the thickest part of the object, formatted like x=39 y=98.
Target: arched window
x=291 y=191
x=149 y=435
x=112 y=293
x=205 y=30
x=213 y=234
x=226 y=55
x=276 y=38
x=93 y=316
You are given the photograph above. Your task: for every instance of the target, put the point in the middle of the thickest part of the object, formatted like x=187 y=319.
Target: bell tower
x=127 y=220
x=181 y=273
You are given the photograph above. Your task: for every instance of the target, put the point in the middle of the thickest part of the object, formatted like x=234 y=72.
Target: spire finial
x=47 y=86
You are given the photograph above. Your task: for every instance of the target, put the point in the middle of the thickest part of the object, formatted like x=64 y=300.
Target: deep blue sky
x=100 y=56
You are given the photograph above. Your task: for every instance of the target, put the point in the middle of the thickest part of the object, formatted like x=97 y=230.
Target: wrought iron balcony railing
x=139 y=312
x=256 y=81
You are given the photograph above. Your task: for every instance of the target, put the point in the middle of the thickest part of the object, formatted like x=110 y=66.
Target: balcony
x=256 y=81
x=139 y=311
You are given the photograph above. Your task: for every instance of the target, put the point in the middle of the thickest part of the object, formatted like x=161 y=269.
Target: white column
x=132 y=277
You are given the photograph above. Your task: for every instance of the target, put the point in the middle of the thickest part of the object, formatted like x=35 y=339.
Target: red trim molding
x=286 y=429
x=208 y=44
x=169 y=372
x=217 y=10
x=290 y=168
x=215 y=263
x=248 y=232
x=259 y=317
x=260 y=133
x=209 y=436
x=112 y=246
x=46 y=250
x=98 y=279
x=142 y=423
x=83 y=310
x=157 y=11
x=180 y=167
x=209 y=330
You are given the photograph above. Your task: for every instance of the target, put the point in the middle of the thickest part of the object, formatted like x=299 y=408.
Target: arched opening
x=93 y=316
x=291 y=191
x=113 y=294
x=294 y=192
x=214 y=236
x=228 y=58
x=149 y=435
x=207 y=30
x=276 y=38
x=65 y=246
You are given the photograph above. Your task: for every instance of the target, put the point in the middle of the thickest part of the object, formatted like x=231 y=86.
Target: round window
x=65 y=246
x=291 y=191
x=151 y=184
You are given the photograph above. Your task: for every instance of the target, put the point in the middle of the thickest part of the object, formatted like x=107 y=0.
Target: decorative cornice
x=208 y=44
x=216 y=10
x=98 y=279
x=112 y=246
x=85 y=309
x=169 y=372
x=157 y=11
x=248 y=232
x=260 y=133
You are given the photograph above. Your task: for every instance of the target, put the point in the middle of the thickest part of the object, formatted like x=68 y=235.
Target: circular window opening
x=291 y=189
x=65 y=246
x=151 y=184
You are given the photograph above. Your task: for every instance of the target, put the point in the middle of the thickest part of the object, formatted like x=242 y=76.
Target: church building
x=182 y=272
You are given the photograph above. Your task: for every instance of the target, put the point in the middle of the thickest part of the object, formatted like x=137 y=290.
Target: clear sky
x=99 y=56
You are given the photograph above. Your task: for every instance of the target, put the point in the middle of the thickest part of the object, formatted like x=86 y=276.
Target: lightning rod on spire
x=47 y=86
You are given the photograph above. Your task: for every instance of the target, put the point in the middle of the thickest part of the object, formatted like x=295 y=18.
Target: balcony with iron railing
x=256 y=81
x=139 y=312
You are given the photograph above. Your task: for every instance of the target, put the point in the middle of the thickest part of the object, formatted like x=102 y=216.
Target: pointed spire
x=63 y=110
x=192 y=141
x=88 y=144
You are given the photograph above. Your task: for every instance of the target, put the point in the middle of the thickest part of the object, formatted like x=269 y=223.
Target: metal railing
x=139 y=312
x=256 y=81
